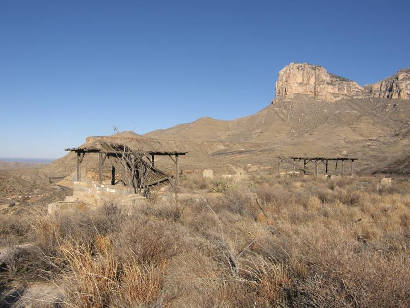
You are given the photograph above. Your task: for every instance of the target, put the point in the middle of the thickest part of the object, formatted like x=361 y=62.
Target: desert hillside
x=4 y=164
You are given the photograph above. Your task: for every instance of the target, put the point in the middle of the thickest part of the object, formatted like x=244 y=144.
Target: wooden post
x=343 y=167
x=78 y=166
x=294 y=166
x=112 y=175
x=153 y=160
x=138 y=176
x=316 y=170
x=326 y=165
x=141 y=179
x=336 y=167
x=351 y=167
x=176 y=170
x=100 y=162
x=278 y=166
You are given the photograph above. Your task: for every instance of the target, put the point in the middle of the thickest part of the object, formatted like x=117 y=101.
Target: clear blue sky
x=70 y=69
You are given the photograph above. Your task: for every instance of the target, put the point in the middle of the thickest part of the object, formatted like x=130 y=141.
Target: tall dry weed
x=293 y=242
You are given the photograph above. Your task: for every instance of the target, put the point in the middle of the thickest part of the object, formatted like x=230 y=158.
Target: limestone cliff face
x=315 y=81
x=397 y=86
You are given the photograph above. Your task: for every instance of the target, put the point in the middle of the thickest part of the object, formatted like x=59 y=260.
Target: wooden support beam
x=78 y=166
x=176 y=170
x=138 y=177
x=161 y=181
x=351 y=168
x=170 y=156
x=100 y=164
x=112 y=175
x=153 y=160
x=317 y=163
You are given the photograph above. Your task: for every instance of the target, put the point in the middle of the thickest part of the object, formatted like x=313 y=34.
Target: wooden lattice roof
x=118 y=149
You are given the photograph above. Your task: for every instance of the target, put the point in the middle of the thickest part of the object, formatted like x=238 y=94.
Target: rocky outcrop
x=397 y=86
x=315 y=81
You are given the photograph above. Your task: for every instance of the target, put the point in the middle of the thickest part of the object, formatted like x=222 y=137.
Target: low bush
x=277 y=243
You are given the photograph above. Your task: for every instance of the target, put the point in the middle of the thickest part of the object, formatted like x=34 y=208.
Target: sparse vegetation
x=278 y=242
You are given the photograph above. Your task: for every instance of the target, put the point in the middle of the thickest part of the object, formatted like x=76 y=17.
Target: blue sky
x=70 y=69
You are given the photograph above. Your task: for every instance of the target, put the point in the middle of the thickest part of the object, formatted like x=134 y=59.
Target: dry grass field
x=264 y=242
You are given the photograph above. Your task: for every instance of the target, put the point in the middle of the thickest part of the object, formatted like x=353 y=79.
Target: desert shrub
x=399 y=186
x=109 y=259
x=348 y=197
x=307 y=243
x=340 y=277
x=193 y=278
x=83 y=226
x=237 y=201
x=14 y=229
x=265 y=193
x=103 y=280
x=220 y=186
x=325 y=196
x=196 y=181
x=150 y=241
x=152 y=196
x=270 y=279
x=169 y=210
x=277 y=194
x=341 y=181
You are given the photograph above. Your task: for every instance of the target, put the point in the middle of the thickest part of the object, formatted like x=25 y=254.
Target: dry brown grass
x=195 y=181
x=296 y=242
x=13 y=229
x=97 y=277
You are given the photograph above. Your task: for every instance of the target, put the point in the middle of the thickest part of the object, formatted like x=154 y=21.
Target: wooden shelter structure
x=137 y=164
x=319 y=160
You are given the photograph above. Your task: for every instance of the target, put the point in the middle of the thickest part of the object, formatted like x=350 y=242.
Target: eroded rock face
x=397 y=86
x=317 y=82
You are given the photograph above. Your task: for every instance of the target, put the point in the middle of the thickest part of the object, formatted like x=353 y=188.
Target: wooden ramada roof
x=119 y=148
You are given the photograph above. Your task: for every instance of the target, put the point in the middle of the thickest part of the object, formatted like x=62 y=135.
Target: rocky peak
x=315 y=81
x=396 y=86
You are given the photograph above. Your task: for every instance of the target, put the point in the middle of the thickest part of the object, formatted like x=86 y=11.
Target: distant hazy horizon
x=27 y=160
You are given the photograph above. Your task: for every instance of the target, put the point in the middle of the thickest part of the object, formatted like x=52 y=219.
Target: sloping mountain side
x=372 y=129
x=360 y=118
x=315 y=113
x=200 y=154
x=400 y=166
